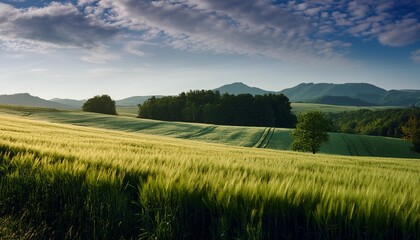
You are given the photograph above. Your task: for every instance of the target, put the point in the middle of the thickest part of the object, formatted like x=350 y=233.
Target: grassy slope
x=71 y=182
x=280 y=139
x=296 y=108
x=303 y=107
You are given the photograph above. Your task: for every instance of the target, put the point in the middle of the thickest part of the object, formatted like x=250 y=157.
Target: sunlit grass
x=83 y=182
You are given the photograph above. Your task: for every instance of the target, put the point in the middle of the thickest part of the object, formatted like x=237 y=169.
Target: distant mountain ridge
x=241 y=88
x=69 y=102
x=134 y=101
x=308 y=91
x=359 y=94
x=25 y=99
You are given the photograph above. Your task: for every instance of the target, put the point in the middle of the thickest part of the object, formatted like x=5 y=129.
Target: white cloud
x=236 y=26
x=415 y=56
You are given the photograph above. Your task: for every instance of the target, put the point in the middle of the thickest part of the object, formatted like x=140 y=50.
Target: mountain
x=240 y=88
x=25 y=99
x=362 y=91
x=133 y=101
x=307 y=91
x=401 y=98
x=69 y=102
x=340 y=101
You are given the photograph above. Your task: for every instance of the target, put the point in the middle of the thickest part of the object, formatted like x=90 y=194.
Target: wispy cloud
x=290 y=30
x=415 y=56
x=101 y=72
x=99 y=55
x=38 y=70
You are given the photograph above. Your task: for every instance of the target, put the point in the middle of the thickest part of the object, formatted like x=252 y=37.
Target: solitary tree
x=311 y=132
x=100 y=104
x=411 y=131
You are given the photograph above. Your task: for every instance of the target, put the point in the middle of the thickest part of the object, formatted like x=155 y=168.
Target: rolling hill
x=60 y=181
x=25 y=99
x=134 y=101
x=257 y=137
x=77 y=104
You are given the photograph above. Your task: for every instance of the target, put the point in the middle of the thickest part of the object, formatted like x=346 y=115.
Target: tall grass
x=70 y=182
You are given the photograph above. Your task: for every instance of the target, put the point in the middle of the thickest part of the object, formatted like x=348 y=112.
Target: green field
x=76 y=182
x=304 y=107
x=279 y=139
x=296 y=108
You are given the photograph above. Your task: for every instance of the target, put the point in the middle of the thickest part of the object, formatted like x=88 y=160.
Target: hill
x=60 y=181
x=340 y=101
x=365 y=92
x=261 y=137
x=77 y=104
x=308 y=91
x=240 y=88
x=134 y=101
x=25 y=99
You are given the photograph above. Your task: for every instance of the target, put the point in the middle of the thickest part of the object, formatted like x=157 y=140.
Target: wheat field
x=75 y=182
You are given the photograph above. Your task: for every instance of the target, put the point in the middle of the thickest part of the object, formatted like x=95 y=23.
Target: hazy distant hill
x=134 y=101
x=239 y=88
x=357 y=94
x=25 y=99
x=69 y=102
x=308 y=91
x=401 y=98
x=362 y=91
x=341 y=101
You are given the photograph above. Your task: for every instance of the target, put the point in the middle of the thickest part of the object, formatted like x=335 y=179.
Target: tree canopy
x=386 y=122
x=206 y=106
x=100 y=104
x=411 y=131
x=311 y=132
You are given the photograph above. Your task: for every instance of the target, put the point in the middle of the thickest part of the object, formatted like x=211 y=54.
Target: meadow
x=258 y=137
x=296 y=108
x=76 y=182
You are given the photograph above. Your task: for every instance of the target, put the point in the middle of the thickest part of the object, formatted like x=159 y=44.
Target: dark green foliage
x=386 y=122
x=210 y=107
x=411 y=131
x=311 y=132
x=100 y=104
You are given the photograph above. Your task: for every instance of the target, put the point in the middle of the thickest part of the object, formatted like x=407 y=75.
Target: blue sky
x=81 y=48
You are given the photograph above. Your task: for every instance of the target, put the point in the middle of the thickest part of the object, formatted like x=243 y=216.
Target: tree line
x=387 y=122
x=207 y=106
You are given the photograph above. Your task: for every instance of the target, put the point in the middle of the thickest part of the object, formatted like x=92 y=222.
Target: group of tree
x=206 y=106
x=387 y=122
x=100 y=104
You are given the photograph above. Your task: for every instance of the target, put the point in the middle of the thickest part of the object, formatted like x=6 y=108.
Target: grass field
x=296 y=108
x=303 y=107
x=73 y=182
x=279 y=139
